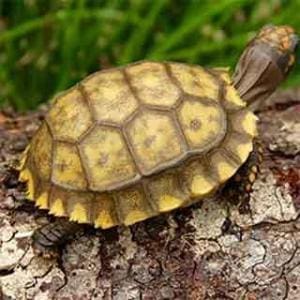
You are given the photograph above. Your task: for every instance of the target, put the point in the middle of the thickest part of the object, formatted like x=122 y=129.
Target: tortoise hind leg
x=47 y=239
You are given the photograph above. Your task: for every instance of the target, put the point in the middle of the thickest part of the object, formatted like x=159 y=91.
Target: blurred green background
x=46 y=46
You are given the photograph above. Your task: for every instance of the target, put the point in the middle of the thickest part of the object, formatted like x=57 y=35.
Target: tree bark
x=214 y=250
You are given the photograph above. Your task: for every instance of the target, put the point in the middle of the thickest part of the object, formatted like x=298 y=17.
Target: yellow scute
x=224 y=74
x=249 y=123
x=26 y=176
x=79 y=213
x=243 y=150
x=132 y=205
x=240 y=146
x=223 y=166
x=196 y=81
x=225 y=170
x=57 y=208
x=203 y=125
x=245 y=122
x=67 y=169
x=232 y=98
x=135 y=216
x=152 y=84
x=110 y=96
x=104 y=220
x=104 y=211
x=168 y=202
x=41 y=152
x=42 y=200
x=201 y=186
x=154 y=140
x=107 y=158
x=69 y=116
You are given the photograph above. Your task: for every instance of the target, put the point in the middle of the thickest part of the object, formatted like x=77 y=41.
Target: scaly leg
x=47 y=239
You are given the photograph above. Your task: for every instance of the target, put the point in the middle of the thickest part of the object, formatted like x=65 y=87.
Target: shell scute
x=105 y=215
x=195 y=80
x=152 y=135
x=244 y=122
x=133 y=205
x=152 y=84
x=42 y=201
x=42 y=159
x=223 y=166
x=69 y=116
x=166 y=192
x=232 y=100
x=106 y=158
x=204 y=125
x=110 y=96
x=67 y=170
x=58 y=202
x=198 y=179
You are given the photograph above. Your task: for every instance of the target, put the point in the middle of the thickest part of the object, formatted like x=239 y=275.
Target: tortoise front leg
x=48 y=239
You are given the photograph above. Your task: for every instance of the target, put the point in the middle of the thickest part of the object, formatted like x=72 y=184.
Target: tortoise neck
x=257 y=74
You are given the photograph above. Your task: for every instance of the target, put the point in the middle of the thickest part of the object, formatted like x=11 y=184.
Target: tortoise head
x=265 y=62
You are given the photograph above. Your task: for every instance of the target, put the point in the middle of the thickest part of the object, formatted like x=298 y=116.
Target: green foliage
x=47 y=46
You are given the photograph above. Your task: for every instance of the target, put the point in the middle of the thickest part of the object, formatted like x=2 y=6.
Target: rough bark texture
x=215 y=250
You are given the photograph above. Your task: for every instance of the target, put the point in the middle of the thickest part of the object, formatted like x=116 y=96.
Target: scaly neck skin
x=257 y=73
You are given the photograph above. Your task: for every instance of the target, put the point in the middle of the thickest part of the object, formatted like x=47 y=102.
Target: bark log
x=213 y=250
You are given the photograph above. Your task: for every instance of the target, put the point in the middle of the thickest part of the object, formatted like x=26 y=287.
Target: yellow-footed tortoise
x=129 y=143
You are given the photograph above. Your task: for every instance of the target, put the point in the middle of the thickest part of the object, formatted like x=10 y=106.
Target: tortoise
x=129 y=143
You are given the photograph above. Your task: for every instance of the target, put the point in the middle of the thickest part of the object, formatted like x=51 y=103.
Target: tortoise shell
x=129 y=143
